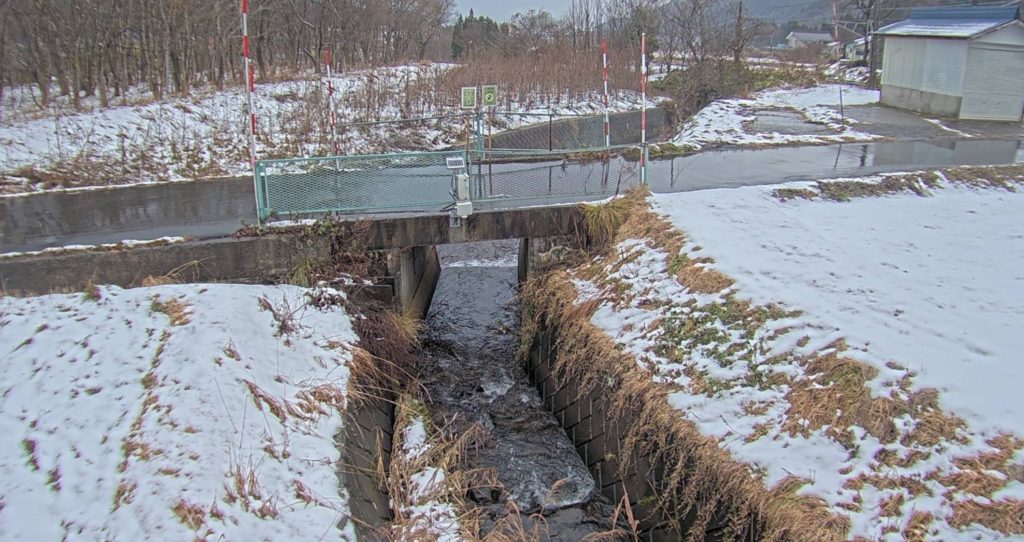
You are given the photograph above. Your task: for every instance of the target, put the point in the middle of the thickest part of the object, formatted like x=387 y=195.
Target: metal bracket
x=454 y=220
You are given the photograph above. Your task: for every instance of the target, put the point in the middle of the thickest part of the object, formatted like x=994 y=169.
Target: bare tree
x=103 y=47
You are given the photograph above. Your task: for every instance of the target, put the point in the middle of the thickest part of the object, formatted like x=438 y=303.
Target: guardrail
x=420 y=181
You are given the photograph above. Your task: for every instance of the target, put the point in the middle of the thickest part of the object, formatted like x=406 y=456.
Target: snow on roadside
x=204 y=135
x=924 y=294
x=172 y=412
x=66 y=249
x=724 y=122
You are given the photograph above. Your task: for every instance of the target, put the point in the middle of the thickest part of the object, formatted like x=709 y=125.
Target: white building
x=855 y=50
x=963 y=62
x=797 y=39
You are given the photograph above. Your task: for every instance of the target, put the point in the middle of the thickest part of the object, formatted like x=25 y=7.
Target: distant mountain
x=807 y=12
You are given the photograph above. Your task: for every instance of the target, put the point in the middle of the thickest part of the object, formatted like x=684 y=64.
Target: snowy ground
x=172 y=413
x=727 y=122
x=868 y=347
x=205 y=135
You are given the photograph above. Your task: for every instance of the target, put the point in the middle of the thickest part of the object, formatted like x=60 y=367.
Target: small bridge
x=400 y=205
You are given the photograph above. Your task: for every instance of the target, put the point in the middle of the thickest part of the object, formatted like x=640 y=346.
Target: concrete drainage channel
x=553 y=449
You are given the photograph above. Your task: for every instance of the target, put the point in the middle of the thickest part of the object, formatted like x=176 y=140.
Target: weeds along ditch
x=505 y=416
x=446 y=432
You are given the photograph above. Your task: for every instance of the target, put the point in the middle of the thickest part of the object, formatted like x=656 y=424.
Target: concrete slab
x=903 y=124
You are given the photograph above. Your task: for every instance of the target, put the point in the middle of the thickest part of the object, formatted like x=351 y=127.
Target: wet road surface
x=218 y=207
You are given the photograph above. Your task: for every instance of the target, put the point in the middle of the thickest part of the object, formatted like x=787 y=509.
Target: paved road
x=218 y=207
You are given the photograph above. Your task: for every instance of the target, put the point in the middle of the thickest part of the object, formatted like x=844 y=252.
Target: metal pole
x=839 y=55
x=332 y=115
x=490 y=155
x=604 y=74
x=551 y=122
x=643 y=110
x=250 y=84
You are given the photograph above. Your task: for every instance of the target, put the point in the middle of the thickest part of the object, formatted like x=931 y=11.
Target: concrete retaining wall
x=586 y=132
x=365 y=442
x=416 y=271
x=919 y=100
x=268 y=258
x=262 y=259
x=597 y=432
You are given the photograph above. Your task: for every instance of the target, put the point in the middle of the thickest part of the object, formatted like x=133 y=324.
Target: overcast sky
x=502 y=10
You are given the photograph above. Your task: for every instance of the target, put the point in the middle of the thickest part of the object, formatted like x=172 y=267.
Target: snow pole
x=604 y=74
x=839 y=55
x=643 y=108
x=332 y=116
x=250 y=84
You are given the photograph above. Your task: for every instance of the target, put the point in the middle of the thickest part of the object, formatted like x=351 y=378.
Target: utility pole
x=737 y=48
x=250 y=83
x=873 y=52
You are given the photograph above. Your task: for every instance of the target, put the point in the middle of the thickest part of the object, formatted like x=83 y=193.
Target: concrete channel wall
x=598 y=433
x=586 y=132
x=596 y=429
x=365 y=442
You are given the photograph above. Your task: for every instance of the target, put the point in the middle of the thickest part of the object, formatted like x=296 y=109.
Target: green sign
x=490 y=95
x=468 y=97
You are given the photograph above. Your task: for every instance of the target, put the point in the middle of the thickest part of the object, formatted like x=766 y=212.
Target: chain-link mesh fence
x=353 y=184
x=421 y=181
x=507 y=178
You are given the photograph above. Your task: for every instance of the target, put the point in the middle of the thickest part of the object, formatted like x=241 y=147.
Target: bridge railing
x=420 y=181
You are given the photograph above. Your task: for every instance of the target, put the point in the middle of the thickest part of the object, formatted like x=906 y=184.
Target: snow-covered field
x=868 y=347
x=205 y=134
x=172 y=413
x=727 y=122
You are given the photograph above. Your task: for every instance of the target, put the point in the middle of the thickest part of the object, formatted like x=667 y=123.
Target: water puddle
x=781 y=121
x=472 y=377
x=740 y=167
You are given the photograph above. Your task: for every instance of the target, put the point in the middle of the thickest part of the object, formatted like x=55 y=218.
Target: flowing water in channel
x=472 y=377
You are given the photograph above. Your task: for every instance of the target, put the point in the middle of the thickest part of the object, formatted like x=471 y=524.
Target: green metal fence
x=420 y=181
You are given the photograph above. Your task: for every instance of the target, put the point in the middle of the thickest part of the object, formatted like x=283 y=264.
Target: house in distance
x=797 y=39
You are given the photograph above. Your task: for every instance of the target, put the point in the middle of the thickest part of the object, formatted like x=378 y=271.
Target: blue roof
x=952 y=22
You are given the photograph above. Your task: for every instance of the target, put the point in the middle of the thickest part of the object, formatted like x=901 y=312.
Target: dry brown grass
x=260 y=398
x=175 y=310
x=702 y=280
x=244 y=486
x=697 y=470
x=603 y=221
x=917 y=528
x=1004 y=516
x=190 y=514
x=407 y=326
x=451 y=454
x=124 y=494
x=834 y=397
x=29 y=447
x=1007 y=177
x=317 y=401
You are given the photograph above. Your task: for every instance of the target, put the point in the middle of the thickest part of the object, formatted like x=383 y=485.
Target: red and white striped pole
x=604 y=73
x=250 y=83
x=643 y=106
x=331 y=114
